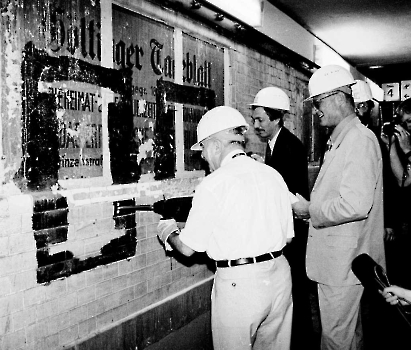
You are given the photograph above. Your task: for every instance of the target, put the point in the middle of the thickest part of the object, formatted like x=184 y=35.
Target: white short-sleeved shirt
x=240 y=210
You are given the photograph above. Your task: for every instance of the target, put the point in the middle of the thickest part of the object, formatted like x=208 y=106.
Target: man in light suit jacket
x=345 y=210
x=287 y=154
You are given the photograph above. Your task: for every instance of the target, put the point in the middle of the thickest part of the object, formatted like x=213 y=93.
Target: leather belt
x=245 y=261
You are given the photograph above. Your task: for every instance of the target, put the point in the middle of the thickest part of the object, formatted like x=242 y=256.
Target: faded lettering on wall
x=79 y=129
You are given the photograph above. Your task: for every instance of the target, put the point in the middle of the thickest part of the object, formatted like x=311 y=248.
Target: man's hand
x=165 y=228
x=300 y=208
x=386 y=139
x=389 y=234
x=256 y=157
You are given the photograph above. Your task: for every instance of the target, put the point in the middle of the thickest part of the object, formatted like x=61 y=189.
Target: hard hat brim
x=196 y=146
x=260 y=105
x=312 y=96
x=370 y=99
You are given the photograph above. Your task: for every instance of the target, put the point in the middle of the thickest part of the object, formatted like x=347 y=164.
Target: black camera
x=388 y=128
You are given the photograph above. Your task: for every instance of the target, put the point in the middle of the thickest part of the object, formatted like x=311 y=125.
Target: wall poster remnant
x=61 y=99
x=203 y=68
x=146 y=48
x=62 y=123
x=79 y=129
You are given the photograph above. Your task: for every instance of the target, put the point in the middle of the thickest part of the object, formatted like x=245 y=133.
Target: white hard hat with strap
x=219 y=119
x=361 y=91
x=327 y=79
x=272 y=97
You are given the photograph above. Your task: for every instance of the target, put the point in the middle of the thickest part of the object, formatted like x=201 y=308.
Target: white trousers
x=340 y=317
x=252 y=306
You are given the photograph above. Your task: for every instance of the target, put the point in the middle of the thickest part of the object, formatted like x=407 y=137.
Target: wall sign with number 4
x=391 y=91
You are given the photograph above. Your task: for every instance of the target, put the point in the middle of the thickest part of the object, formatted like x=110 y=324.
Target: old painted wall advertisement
x=62 y=136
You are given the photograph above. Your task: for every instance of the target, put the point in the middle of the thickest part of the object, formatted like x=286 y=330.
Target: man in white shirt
x=241 y=217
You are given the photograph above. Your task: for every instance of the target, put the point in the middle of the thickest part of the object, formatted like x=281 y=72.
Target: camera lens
x=388 y=128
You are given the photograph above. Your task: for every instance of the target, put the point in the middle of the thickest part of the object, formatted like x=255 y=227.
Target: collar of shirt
x=271 y=143
x=340 y=127
x=231 y=155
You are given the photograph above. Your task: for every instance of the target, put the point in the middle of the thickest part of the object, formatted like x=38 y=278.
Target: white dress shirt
x=240 y=210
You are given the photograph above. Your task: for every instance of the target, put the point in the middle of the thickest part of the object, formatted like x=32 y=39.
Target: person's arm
x=390 y=193
x=302 y=171
x=301 y=207
x=393 y=294
x=361 y=167
x=195 y=235
x=168 y=233
x=401 y=173
x=177 y=244
x=396 y=166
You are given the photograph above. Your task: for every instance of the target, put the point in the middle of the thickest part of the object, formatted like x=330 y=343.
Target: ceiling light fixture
x=195 y=5
x=238 y=26
x=249 y=12
x=219 y=17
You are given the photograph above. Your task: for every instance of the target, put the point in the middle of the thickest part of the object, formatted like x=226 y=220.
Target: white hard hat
x=272 y=97
x=329 y=78
x=361 y=91
x=216 y=120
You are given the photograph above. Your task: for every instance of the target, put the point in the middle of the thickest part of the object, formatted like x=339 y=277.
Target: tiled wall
x=76 y=272
x=252 y=71
x=72 y=266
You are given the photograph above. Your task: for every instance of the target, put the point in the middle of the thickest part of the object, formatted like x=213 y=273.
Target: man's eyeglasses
x=316 y=102
x=362 y=105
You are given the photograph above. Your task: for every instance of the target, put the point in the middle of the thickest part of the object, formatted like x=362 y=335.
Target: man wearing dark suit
x=286 y=153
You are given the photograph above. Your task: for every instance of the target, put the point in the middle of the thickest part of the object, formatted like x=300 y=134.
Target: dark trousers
x=305 y=312
x=384 y=326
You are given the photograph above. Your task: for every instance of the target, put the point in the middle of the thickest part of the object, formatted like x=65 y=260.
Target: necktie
x=267 y=154
x=328 y=146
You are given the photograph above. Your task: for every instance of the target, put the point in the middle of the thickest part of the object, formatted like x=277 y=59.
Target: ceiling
x=374 y=36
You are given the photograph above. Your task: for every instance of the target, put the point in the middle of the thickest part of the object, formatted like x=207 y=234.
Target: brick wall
x=251 y=71
x=75 y=273
x=71 y=267
x=60 y=285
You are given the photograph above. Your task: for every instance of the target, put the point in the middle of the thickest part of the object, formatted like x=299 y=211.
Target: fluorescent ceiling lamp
x=247 y=11
x=324 y=55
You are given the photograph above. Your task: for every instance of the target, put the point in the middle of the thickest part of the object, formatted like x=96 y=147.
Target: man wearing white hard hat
x=285 y=151
x=345 y=210
x=241 y=217
x=364 y=102
x=287 y=154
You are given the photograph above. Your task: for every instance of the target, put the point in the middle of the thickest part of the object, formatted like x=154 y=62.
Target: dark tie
x=267 y=154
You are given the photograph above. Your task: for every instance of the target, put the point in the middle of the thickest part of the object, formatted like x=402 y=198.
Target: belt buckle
x=229 y=263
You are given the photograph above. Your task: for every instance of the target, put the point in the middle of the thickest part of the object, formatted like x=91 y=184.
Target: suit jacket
x=346 y=207
x=289 y=158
